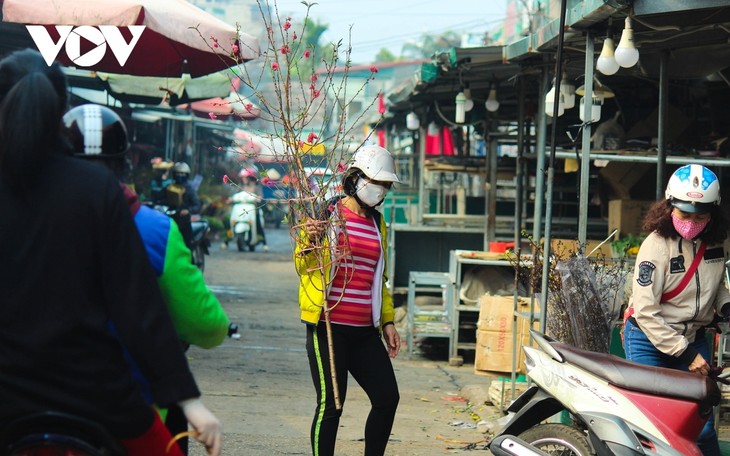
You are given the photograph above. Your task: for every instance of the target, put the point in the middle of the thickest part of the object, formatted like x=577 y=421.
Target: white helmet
x=693 y=188
x=375 y=162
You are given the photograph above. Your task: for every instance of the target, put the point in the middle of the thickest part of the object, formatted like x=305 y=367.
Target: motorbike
x=51 y=433
x=201 y=244
x=243 y=220
x=615 y=406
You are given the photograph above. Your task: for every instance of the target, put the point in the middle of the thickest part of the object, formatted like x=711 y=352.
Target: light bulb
x=469 y=103
x=626 y=53
x=412 y=122
x=550 y=103
x=595 y=109
x=492 y=103
x=460 y=107
x=568 y=91
x=606 y=63
x=433 y=129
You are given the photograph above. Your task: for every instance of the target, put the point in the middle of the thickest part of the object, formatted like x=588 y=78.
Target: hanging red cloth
x=433 y=143
x=381 y=138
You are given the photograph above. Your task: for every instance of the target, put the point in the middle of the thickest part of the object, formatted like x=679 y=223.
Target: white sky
x=390 y=23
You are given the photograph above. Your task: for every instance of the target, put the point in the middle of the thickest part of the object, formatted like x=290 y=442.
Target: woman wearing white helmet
x=360 y=306
x=678 y=281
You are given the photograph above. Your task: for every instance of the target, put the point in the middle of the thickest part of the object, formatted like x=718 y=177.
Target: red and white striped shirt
x=350 y=295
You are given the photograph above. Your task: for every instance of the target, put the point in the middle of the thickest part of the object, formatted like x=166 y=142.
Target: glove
x=207 y=426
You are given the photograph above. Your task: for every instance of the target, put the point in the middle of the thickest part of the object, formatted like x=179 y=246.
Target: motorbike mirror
x=544 y=343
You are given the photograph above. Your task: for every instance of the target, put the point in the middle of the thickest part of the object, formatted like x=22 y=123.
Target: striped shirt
x=350 y=295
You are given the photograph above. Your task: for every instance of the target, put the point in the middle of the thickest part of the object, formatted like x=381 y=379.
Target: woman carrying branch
x=346 y=305
x=678 y=281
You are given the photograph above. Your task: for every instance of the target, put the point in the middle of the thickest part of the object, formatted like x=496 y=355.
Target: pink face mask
x=688 y=229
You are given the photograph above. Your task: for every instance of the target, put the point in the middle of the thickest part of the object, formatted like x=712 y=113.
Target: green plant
x=628 y=245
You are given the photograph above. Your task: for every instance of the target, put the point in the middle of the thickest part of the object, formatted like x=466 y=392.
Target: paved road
x=260 y=385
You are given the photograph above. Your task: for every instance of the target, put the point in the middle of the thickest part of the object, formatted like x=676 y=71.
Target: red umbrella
x=176 y=38
x=222 y=108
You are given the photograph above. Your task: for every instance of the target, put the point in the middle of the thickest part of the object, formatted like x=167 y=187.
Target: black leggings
x=361 y=352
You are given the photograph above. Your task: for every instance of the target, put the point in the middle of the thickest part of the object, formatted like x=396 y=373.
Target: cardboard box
x=494 y=352
x=622 y=176
x=566 y=248
x=627 y=216
x=495 y=329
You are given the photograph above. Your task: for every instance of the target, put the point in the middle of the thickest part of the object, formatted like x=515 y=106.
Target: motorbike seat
x=657 y=381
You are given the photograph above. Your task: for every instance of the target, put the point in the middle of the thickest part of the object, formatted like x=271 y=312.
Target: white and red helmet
x=693 y=189
x=375 y=162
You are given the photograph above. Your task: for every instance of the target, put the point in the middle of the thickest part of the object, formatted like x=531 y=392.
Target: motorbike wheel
x=558 y=439
x=199 y=256
x=240 y=243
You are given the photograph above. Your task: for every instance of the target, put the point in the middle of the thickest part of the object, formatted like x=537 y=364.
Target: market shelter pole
x=551 y=175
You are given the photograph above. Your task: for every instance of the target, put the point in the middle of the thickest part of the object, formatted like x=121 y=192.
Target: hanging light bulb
x=460 y=107
x=568 y=91
x=606 y=63
x=550 y=103
x=469 y=103
x=492 y=103
x=412 y=122
x=626 y=53
x=433 y=129
x=595 y=109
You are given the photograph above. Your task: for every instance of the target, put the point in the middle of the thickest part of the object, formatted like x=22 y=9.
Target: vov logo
x=100 y=36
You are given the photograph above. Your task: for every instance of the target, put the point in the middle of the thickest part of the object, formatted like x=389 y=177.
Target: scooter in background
x=616 y=407
x=243 y=220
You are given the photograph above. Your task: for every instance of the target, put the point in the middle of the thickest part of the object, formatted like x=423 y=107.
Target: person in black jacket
x=72 y=262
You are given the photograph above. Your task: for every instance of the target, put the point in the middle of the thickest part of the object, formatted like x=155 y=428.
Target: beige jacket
x=660 y=266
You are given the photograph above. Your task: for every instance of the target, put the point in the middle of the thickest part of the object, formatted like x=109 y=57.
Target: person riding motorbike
x=250 y=184
x=196 y=313
x=183 y=199
x=160 y=180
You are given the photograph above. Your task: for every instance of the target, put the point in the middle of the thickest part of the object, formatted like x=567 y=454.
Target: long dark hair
x=659 y=218
x=32 y=102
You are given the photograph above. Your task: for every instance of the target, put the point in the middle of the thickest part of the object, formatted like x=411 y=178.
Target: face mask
x=369 y=193
x=688 y=229
x=181 y=179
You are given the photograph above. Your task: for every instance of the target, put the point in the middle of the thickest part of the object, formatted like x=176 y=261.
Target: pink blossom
x=212 y=115
x=265 y=181
x=226 y=179
x=373 y=69
x=315 y=93
x=341 y=167
x=306 y=54
x=287 y=24
x=294 y=36
x=275 y=66
x=311 y=138
x=219 y=148
x=249 y=107
x=235 y=50
x=314 y=77
x=284 y=49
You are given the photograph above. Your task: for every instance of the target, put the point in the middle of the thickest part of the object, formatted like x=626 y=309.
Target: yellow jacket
x=311 y=291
